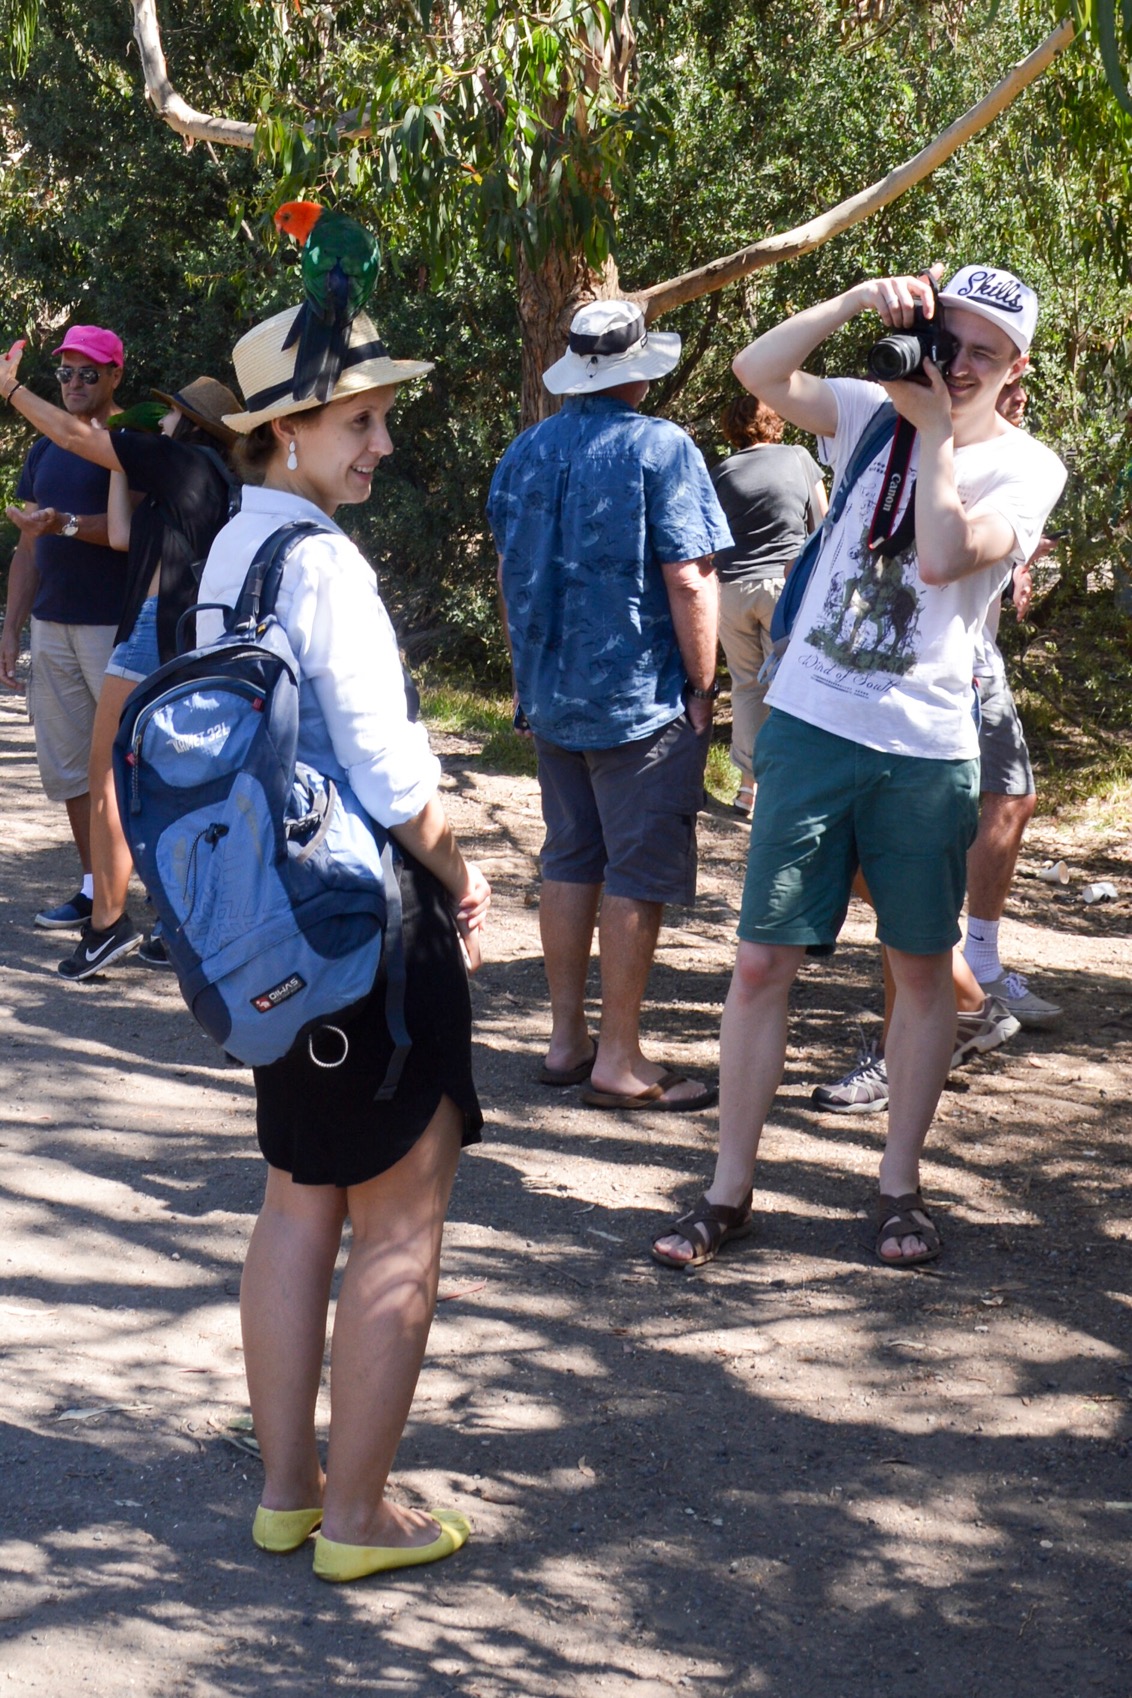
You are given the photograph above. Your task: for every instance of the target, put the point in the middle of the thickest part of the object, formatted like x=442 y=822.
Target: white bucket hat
x=266 y=371
x=999 y=297
x=609 y=345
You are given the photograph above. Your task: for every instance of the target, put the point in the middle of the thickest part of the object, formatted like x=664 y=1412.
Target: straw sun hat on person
x=266 y=370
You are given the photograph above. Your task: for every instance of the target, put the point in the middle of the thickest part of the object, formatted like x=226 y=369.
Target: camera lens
x=894 y=357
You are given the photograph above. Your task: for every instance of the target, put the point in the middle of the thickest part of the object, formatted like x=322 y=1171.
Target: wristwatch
x=71 y=528
x=708 y=695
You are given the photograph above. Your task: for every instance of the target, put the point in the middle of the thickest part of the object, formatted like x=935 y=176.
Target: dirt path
x=793 y=1474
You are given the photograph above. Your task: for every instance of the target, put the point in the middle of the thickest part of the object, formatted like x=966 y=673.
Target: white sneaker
x=984 y=1029
x=1012 y=991
x=863 y=1090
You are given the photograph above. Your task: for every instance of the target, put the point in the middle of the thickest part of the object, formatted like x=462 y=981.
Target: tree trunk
x=549 y=296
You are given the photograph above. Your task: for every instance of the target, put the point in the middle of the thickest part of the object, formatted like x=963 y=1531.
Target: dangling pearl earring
x=292 y=457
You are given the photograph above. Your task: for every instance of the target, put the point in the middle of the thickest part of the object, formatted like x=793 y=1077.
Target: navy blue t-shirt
x=79 y=582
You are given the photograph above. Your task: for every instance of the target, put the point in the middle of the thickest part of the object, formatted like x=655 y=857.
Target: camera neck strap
x=887 y=538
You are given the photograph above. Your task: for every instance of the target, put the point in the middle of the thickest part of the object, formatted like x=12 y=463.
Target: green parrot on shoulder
x=340 y=262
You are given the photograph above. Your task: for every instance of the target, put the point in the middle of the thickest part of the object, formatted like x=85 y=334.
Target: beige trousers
x=746 y=607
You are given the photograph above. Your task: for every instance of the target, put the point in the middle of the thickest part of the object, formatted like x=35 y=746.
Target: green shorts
x=826 y=806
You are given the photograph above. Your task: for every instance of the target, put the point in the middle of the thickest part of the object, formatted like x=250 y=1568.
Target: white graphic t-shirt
x=878 y=656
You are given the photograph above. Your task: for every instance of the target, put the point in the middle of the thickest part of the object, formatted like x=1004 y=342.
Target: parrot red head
x=297 y=218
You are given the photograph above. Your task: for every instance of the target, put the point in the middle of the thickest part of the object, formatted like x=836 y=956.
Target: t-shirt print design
x=870 y=618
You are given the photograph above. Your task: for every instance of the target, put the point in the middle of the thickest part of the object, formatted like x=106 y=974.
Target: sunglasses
x=89 y=375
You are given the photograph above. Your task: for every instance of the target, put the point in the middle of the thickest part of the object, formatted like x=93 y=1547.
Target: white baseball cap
x=609 y=345
x=999 y=297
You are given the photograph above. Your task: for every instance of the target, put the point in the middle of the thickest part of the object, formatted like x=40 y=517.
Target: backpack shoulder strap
x=879 y=430
x=881 y=426
x=261 y=582
x=235 y=487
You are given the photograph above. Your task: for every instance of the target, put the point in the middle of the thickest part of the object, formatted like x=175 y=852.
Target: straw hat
x=266 y=370
x=609 y=345
x=205 y=401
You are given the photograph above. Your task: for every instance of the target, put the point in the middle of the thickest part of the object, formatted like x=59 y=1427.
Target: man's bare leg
x=567 y=916
x=969 y=996
x=751 y=1059
x=78 y=815
x=993 y=855
x=627 y=934
x=921 y=1041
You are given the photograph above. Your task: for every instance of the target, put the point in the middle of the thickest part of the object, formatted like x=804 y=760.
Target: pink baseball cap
x=101 y=346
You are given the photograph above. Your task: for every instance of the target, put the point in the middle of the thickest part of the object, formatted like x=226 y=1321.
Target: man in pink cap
x=72 y=583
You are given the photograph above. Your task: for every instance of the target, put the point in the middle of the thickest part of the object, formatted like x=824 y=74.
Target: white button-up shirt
x=353 y=722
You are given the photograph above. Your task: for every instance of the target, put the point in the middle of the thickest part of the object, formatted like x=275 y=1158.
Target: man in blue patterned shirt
x=606 y=523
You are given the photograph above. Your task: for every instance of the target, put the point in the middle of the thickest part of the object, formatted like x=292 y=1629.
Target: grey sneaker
x=96 y=950
x=1012 y=991
x=863 y=1090
x=985 y=1029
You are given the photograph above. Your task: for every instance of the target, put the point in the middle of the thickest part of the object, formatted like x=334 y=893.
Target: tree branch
x=791 y=244
x=177 y=113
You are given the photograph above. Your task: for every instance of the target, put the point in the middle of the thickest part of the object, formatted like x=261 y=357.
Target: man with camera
x=870 y=756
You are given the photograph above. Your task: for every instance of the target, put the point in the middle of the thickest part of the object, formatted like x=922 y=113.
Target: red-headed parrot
x=340 y=262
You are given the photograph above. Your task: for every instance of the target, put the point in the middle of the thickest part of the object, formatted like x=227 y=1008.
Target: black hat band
x=616 y=341
x=354 y=357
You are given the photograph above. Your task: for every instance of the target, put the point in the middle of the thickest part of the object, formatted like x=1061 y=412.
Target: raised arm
x=75 y=435
x=771 y=367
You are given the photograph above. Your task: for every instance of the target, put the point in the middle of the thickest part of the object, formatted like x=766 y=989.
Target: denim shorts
x=625 y=817
x=826 y=806
x=137 y=657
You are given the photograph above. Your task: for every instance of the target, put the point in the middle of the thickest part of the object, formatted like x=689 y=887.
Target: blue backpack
x=274 y=887
x=879 y=430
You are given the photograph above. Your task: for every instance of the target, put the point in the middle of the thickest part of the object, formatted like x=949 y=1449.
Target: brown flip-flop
x=569 y=1075
x=653 y=1096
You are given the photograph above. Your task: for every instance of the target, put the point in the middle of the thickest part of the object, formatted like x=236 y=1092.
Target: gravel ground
x=794 y=1473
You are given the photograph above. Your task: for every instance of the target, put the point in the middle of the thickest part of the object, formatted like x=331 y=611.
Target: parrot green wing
x=144 y=415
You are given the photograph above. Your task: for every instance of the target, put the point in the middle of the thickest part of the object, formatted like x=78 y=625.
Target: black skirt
x=323 y=1125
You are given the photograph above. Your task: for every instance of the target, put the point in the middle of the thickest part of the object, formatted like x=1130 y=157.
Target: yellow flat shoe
x=281 y=1530
x=334 y=1561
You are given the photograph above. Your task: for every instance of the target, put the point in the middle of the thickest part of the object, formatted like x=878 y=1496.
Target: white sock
x=981 y=949
x=88 y=887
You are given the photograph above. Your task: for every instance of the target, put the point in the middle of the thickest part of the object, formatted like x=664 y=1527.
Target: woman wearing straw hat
x=187 y=491
x=334 y=1153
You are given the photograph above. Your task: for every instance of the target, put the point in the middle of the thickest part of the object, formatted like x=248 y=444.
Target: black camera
x=901 y=353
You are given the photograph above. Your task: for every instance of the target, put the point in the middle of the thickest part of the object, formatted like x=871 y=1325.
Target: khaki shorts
x=68 y=663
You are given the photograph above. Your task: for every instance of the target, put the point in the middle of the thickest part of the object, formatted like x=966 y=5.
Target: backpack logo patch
x=282 y=992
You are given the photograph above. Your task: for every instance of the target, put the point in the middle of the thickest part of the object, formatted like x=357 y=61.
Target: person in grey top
x=773 y=496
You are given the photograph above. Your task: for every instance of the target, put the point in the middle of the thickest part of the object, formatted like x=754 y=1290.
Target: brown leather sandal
x=906 y=1217
x=707 y=1228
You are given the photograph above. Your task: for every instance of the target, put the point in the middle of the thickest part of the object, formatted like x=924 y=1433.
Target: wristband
x=12 y=391
x=708 y=695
